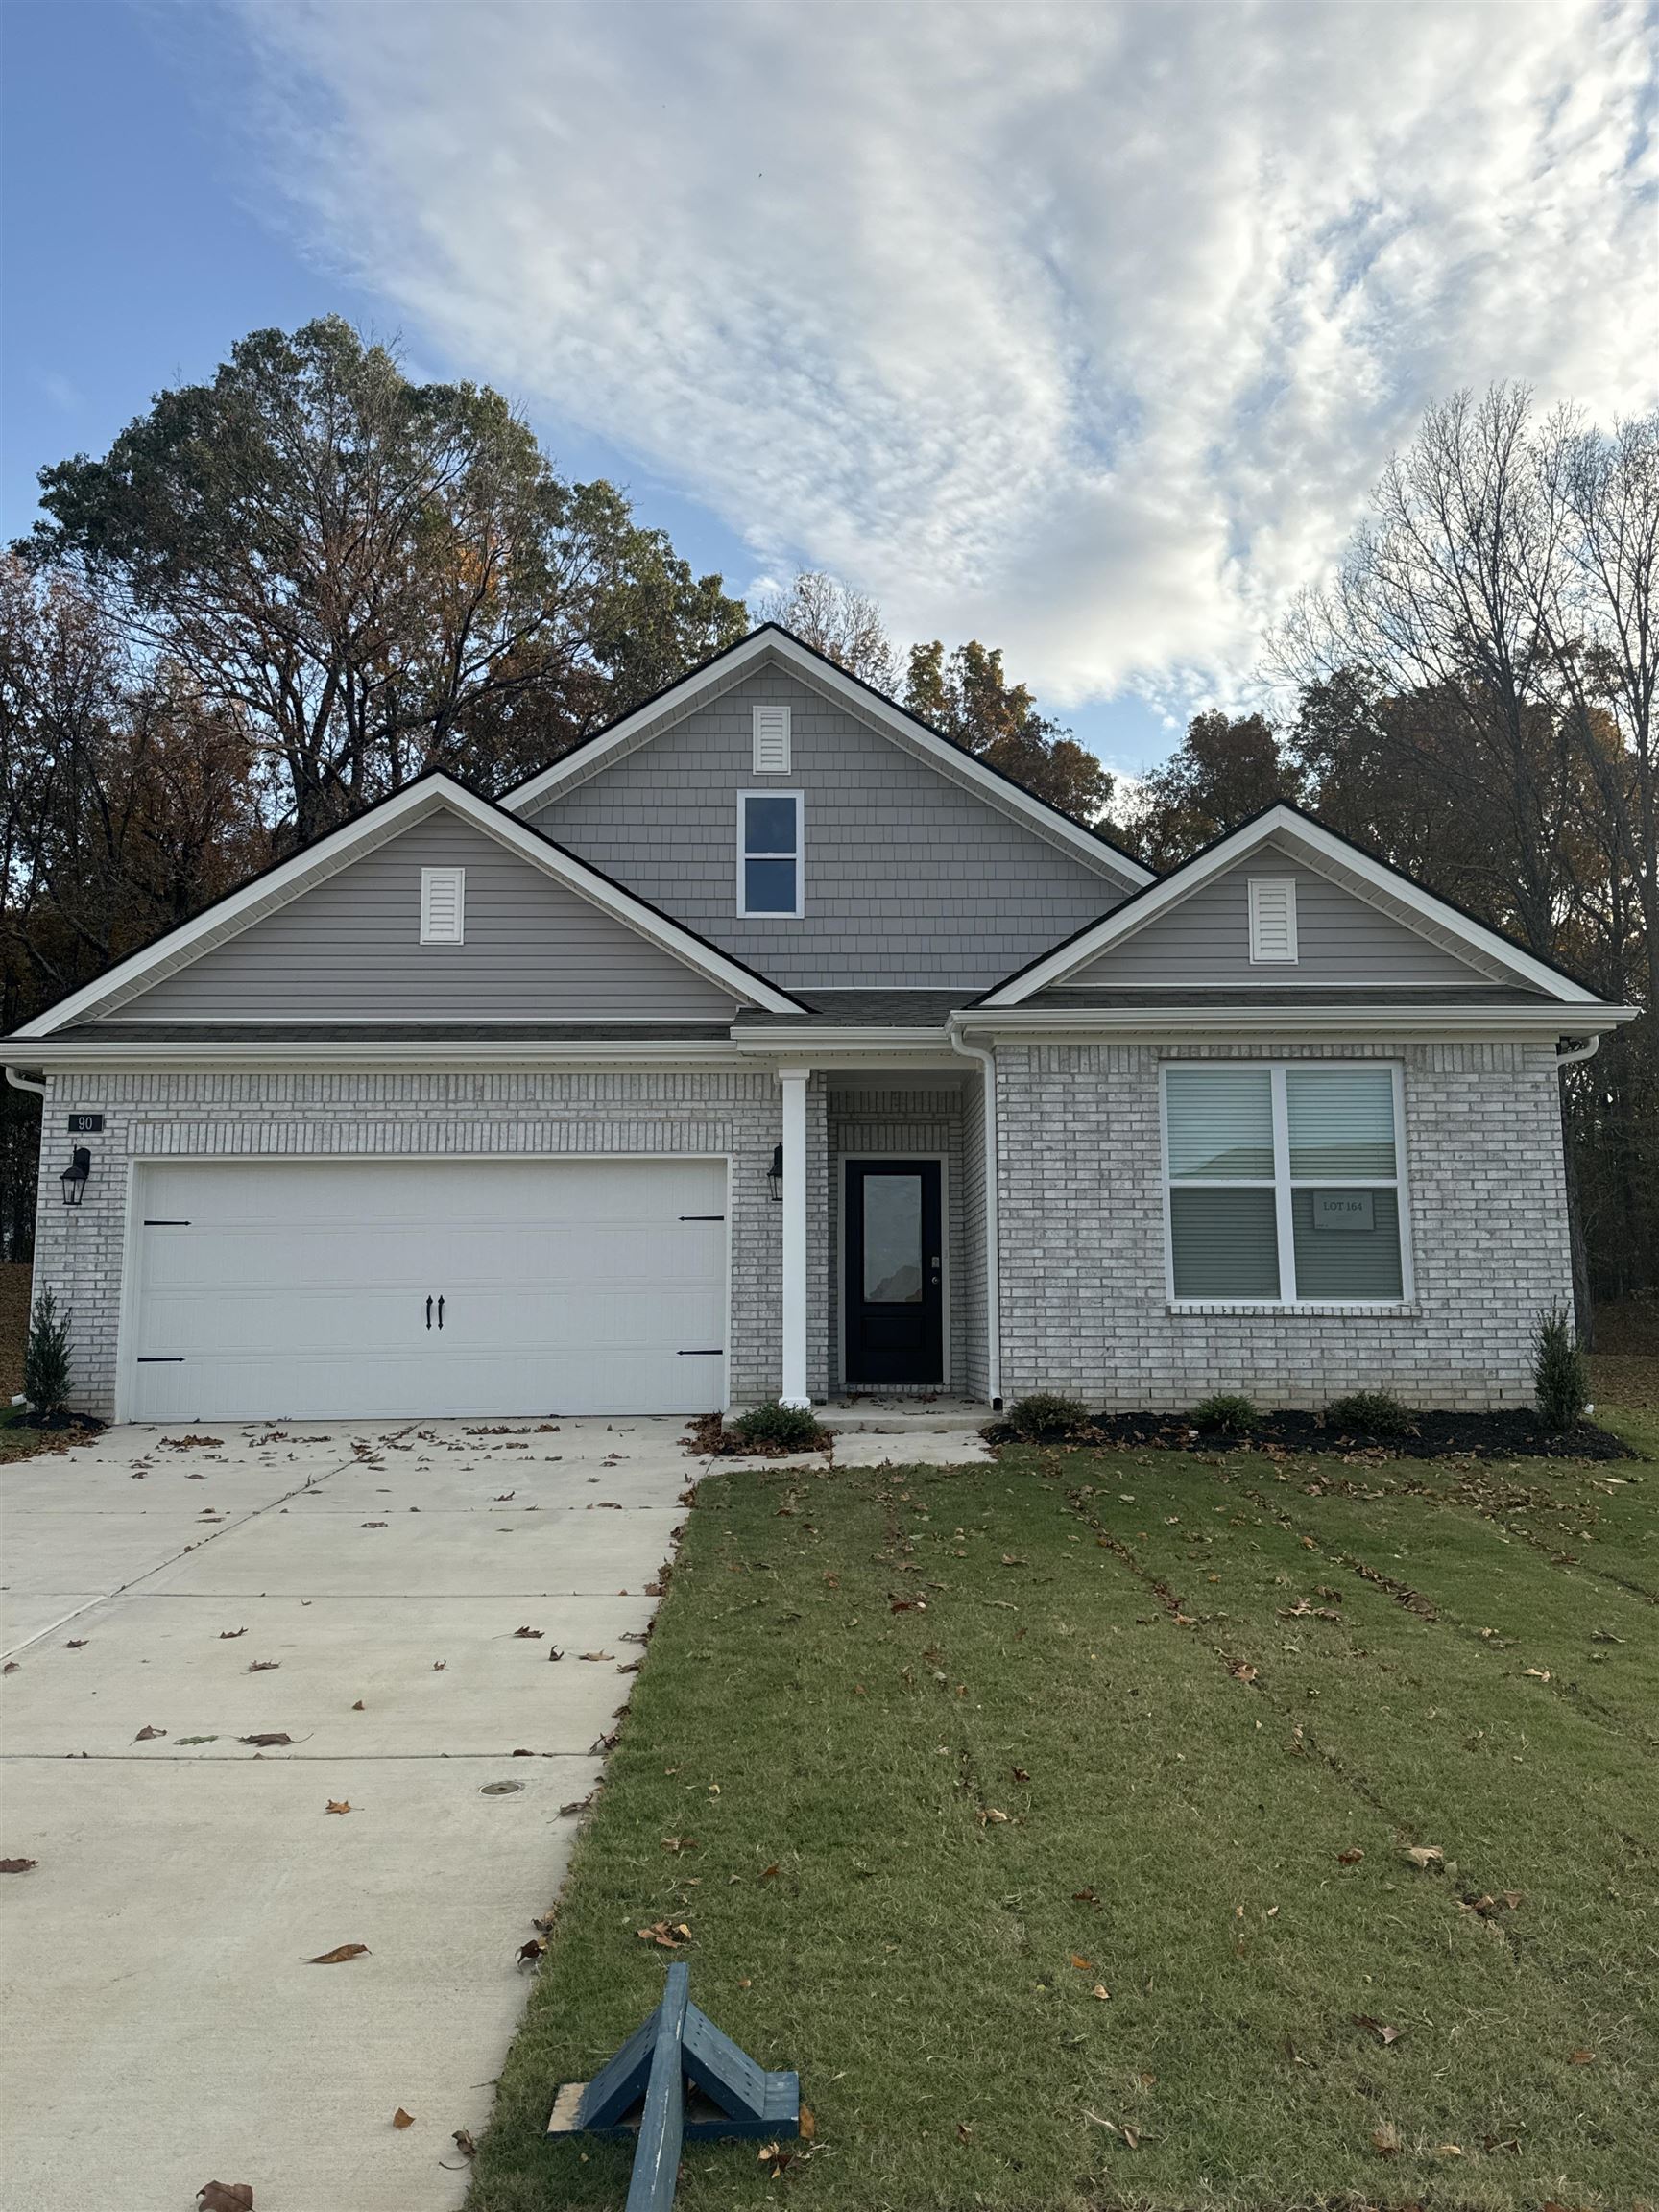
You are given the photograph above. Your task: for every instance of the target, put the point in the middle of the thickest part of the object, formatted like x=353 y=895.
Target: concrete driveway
x=361 y=1591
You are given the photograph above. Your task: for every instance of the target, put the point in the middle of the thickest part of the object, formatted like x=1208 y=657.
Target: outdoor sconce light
x=775 y=1175
x=74 y=1176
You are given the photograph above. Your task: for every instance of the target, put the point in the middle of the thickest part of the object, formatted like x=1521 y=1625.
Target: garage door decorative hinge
x=712 y=1352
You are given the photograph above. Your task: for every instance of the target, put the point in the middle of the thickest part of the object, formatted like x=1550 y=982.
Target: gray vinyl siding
x=911 y=881
x=349 y=950
x=1340 y=939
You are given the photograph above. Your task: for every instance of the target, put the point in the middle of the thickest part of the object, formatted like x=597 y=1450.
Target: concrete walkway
x=360 y=1590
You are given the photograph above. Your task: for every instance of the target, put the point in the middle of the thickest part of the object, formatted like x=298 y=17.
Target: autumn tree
x=967 y=697
x=1227 y=768
x=375 y=576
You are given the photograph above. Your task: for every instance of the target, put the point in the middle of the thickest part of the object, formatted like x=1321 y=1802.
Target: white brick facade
x=1085 y=1307
x=1082 y=1255
x=79 y=1250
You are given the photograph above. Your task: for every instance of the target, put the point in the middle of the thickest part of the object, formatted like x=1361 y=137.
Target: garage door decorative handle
x=428 y=1312
x=440 y=1313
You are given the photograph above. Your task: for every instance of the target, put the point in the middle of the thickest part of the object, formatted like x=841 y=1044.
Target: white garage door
x=333 y=1289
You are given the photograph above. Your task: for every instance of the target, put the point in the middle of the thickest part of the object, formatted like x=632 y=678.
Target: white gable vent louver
x=1272 y=918
x=442 y=906
x=771 y=740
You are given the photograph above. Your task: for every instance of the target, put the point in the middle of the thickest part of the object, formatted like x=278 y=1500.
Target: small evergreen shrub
x=1372 y=1412
x=1227 y=1409
x=789 y=1427
x=1047 y=1414
x=1560 y=1372
x=47 y=1366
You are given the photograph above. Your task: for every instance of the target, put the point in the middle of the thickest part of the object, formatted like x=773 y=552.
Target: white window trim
x=1258 y=885
x=1282 y=1186
x=776 y=767
x=799 y=856
x=430 y=877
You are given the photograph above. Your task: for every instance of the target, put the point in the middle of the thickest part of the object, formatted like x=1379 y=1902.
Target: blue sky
x=1080 y=329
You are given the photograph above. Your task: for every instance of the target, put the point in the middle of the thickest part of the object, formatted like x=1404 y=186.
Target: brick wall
x=1084 y=1302
x=79 y=1251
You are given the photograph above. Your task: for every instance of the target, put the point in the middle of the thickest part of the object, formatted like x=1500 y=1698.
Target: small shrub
x=1372 y=1412
x=1047 y=1414
x=1226 y=1410
x=46 y=1365
x=790 y=1428
x=1560 y=1372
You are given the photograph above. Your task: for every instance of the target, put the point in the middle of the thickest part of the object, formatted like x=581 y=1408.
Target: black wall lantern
x=74 y=1176
x=775 y=1173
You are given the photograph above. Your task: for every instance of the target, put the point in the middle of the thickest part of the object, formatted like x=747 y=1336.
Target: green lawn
x=1152 y=1710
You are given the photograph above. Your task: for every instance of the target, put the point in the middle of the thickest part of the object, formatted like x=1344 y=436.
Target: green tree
x=1227 y=768
x=967 y=697
x=374 y=576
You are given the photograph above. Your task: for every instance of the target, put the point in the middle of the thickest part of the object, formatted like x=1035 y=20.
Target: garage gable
x=435 y=906
x=351 y=948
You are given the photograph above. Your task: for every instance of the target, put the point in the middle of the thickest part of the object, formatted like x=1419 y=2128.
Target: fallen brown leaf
x=1083 y=1965
x=338 y=1805
x=535 y=1634
x=1101 y=1992
x=1426 y=1855
x=808 y=2124
x=77 y=1643
x=1383 y=2034
x=272 y=1738
x=1084 y=1898
x=1386 y=2140
x=667 y=1936
x=17 y=1865
x=1582 y=2059
x=1349 y=1857
x=529 y=1952
x=679 y=1844
x=402 y=2119
x=776 y=2159
x=224 y=2197
x=597 y=1654
x=772 y=1872
x=463 y=2143
x=358 y=1707
x=148 y=1734
x=263 y=1666
x=964 y=2132
x=339 y=1955
x=229 y=1635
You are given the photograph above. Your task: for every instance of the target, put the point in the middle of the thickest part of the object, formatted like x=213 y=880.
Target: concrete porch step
x=875 y=1416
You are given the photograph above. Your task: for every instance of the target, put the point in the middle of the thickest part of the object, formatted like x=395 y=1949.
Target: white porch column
x=794 y=1082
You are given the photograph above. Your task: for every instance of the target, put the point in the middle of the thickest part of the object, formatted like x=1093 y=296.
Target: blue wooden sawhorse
x=691 y=2085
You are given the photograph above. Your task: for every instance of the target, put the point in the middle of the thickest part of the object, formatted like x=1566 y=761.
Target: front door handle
x=440 y=1313
x=428 y=1312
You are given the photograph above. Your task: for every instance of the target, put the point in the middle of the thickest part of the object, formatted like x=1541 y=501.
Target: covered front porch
x=883 y=1242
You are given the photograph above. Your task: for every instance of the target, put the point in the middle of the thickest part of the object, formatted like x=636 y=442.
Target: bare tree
x=844 y=625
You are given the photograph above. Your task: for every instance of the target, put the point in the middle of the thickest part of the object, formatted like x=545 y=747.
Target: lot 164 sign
x=1342 y=1210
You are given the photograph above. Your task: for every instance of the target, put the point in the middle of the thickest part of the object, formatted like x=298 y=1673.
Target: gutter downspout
x=1562 y=1059
x=987 y=1063
x=21 y=1082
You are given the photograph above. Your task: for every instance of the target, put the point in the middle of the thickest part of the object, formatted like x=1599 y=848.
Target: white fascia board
x=769 y=1044
x=1559 y=1019
x=92 y=1053
x=859 y=699
x=279 y=885
x=1282 y=823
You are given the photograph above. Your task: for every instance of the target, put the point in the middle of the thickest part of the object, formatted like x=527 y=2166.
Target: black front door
x=893 y=1274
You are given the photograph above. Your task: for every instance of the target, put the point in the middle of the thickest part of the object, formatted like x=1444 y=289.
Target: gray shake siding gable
x=349 y=948
x=910 y=880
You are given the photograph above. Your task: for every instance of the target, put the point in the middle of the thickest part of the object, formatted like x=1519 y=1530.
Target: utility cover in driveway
x=349 y=1288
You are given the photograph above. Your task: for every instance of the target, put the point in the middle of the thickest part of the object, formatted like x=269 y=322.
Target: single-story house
x=768 y=1045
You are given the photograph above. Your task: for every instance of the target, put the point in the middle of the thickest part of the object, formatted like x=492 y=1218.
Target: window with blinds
x=1272 y=918
x=442 y=906
x=771 y=740
x=1284 y=1184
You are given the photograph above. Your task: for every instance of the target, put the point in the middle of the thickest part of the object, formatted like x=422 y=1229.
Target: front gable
x=436 y=908
x=920 y=868
x=1340 y=938
x=1283 y=904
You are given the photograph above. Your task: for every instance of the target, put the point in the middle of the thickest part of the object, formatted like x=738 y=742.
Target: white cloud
x=1084 y=328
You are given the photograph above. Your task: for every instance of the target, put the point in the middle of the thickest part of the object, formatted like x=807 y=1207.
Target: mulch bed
x=1433 y=1435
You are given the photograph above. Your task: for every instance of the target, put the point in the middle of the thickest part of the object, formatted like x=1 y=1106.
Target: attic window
x=442 y=906
x=771 y=740
x=1272 y=918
